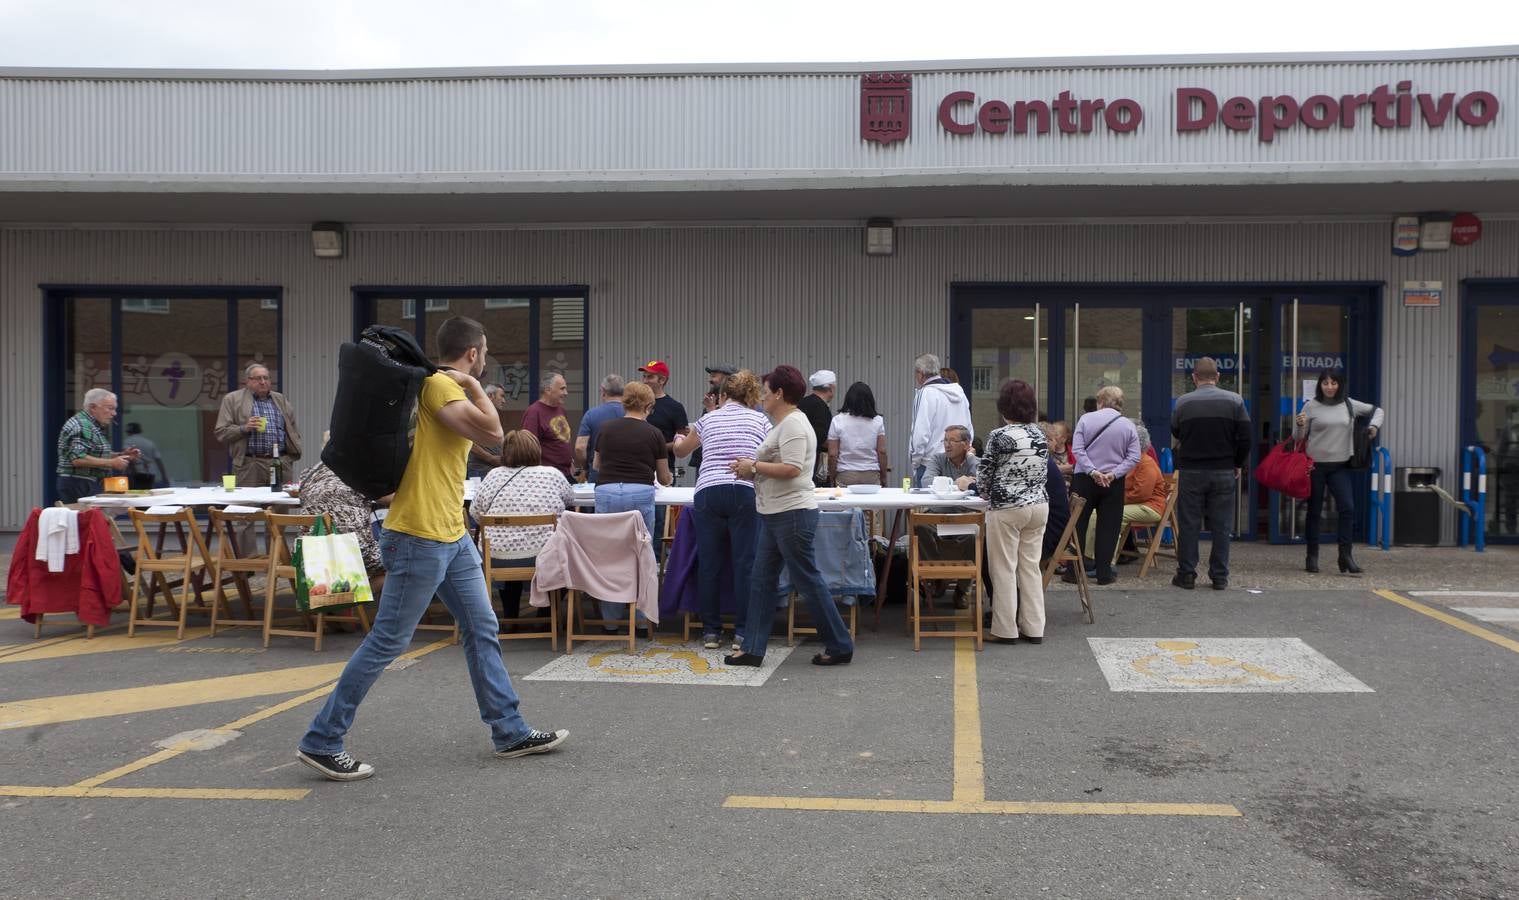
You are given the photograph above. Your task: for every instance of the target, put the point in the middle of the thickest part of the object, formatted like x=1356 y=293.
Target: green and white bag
x=329 y=571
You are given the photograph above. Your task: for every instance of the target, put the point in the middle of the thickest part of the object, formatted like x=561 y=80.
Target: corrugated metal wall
x=753 y=296
x=549 y=130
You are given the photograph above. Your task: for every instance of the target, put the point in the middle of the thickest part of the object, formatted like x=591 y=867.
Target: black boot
x=1311 y=563
x=1347 y=562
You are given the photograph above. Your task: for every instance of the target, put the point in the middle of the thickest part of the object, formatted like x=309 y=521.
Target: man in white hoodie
x=937 y=405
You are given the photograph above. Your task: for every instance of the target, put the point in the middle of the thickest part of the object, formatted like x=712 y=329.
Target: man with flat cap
x=815 y=407
x=711 y=400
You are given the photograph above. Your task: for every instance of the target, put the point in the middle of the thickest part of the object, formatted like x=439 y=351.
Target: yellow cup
x=229 y=482
x=263 y=424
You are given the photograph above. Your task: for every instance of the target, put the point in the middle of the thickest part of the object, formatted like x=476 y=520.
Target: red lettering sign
x=1465 y=229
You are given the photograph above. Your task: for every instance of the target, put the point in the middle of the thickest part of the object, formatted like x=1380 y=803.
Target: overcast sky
x=358 y=34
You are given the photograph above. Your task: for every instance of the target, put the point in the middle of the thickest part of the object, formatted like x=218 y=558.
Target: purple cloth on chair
x=681 y=590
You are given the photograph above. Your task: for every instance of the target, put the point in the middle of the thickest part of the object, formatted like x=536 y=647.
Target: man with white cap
x=815 y=407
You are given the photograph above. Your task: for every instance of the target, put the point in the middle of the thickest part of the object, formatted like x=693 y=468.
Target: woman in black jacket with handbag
x=1328 y=422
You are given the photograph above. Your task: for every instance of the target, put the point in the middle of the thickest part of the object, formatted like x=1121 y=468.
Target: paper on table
x=163 y=510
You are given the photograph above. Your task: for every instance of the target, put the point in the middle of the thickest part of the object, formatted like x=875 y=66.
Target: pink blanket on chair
x=609 y=556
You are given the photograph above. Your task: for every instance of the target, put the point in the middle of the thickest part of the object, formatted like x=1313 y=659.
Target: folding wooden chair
x=1068 y=550
x=672 y=519
x=226 y=561
x=920 y=570
x=1157 y=531
x=154 y=565
x=573 y=600
x=793 y=629
x=283 y=530
x=118 y=540
x=524 y=574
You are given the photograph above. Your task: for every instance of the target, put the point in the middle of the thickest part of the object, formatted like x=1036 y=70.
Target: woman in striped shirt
x=724 y=502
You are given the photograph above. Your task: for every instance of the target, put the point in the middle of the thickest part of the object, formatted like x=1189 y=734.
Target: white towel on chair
x=57 y=536
x=241 y=509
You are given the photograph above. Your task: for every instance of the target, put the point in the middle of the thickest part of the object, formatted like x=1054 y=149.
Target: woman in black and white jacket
x=1328 y=422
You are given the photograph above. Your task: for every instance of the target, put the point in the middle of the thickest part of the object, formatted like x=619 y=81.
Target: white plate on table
x=952 y=495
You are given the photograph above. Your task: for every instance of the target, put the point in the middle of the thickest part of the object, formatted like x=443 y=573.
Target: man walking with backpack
x=427 y=551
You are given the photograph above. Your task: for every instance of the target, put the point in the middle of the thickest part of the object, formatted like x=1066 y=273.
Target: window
x=526 y=335
x=169 y=374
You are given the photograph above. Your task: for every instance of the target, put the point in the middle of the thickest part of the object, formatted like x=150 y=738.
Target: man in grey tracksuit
x=1214 y=430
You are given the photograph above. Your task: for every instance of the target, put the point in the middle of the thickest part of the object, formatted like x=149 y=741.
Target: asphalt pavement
x=1404 y=787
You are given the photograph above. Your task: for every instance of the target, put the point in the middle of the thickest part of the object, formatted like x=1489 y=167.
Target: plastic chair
x=495 y=574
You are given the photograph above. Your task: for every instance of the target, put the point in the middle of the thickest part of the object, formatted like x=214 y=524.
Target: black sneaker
x=1185 y=582
x=1220 y=584
x=535 y=742
x=338 y=767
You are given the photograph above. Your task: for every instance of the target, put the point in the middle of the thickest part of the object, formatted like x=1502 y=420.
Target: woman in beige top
x=788 y=513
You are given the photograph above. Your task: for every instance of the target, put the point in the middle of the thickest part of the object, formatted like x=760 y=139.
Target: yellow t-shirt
x=430 y=501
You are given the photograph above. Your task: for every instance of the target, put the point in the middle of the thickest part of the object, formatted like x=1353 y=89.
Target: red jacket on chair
x=89 y=586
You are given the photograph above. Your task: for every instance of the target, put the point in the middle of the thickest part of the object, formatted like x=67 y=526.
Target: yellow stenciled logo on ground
x=622 y=663
x=1180 y=659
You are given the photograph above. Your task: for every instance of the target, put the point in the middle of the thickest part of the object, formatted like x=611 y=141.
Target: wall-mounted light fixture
x=327 y=240
x=880 y=238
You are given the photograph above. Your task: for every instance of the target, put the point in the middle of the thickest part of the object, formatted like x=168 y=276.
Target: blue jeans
x=614 y=498
x=1340 y=482
x=1211 y=493
x=785 y=538
x=729 y=525
x=71 y=487
x=416 y=569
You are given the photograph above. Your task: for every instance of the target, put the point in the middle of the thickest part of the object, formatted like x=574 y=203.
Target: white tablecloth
x=830 y=499
x=206 y=496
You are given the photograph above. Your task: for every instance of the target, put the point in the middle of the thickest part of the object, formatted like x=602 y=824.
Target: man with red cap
x=670 y=418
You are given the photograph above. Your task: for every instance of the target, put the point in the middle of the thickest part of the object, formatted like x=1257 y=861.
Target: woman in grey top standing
x=788 y=512
x=1328 y=422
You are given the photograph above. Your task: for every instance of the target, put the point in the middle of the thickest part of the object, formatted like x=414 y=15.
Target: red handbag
x=1287 y=468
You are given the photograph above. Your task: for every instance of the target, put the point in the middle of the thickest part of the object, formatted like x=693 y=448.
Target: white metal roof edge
x=1457 y=54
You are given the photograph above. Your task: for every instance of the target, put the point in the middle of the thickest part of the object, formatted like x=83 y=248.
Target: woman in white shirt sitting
x=857 y=440
x=521 y=486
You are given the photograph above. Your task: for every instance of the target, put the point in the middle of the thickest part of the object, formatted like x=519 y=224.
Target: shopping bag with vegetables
x=329 y=571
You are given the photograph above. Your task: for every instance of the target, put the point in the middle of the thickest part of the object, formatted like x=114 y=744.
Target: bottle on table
x=274 y=469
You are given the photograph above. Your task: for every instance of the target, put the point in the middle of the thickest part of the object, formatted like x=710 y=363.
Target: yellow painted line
x=114 y=643
x=1454 y=621
x=238 y=724
x=15 y=790
x=970 y=770
x=981 y=807
x=10 y=612
x=127 y=701
x=45 y=642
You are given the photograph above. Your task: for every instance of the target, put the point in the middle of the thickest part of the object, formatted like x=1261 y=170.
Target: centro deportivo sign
x=1200 y=109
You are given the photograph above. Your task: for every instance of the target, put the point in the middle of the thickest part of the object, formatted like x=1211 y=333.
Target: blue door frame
x=1477 y=293
x=1157 y=301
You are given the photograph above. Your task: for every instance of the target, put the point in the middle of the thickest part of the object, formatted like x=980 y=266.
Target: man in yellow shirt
x=427 y=551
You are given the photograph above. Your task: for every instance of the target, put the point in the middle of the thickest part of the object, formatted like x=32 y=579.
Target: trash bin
x=1415 y=507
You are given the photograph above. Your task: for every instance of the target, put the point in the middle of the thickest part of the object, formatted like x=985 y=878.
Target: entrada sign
x=1200 y=109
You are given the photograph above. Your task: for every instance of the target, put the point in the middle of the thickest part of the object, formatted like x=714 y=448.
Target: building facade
x=1069 y=222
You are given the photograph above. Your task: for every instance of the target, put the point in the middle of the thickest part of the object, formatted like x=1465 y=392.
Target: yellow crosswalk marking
x=110 y=643
x=126 y=701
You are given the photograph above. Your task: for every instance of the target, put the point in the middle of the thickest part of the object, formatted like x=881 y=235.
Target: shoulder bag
x=1360 y=441
x=1287 y=469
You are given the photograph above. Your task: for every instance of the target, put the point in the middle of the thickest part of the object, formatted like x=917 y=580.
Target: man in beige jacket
x=251 y=423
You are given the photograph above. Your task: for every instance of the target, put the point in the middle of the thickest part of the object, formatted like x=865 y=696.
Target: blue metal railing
x=1379 y=528
x=1474 y=517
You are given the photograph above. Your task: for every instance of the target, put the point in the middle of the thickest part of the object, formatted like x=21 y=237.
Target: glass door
x=1004 y=342
x=1313 y=334
x=1222 y=333
x=1490 y=413
x=1103 y=346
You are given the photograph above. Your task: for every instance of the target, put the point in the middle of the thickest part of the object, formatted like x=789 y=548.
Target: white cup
x=943 y=484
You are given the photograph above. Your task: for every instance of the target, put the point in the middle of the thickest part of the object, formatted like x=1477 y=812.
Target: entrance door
x=1003 y=342
x=1222 y=331
x=1490 y=397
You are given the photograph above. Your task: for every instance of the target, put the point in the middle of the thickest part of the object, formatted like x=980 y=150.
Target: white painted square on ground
x=1503 y=615
x=659 y=662
x=1220 y=665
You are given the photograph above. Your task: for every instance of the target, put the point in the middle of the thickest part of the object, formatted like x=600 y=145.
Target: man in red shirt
x=547 y=422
